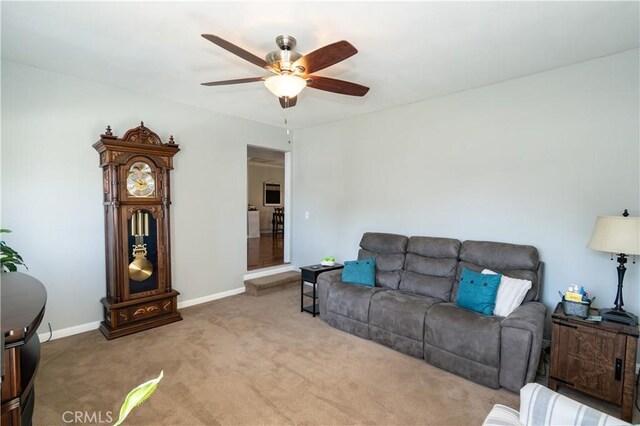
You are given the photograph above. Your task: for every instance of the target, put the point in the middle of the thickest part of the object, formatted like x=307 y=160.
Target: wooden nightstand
x=597 y=359
x=310 y=274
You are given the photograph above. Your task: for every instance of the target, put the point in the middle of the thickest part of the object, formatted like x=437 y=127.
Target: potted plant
x=9 y=258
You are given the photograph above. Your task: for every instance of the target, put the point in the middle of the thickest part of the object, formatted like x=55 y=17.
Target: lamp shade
x=285 y=85
x=616 y=234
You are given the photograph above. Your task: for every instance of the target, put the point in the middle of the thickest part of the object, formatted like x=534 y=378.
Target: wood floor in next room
x=265 y=251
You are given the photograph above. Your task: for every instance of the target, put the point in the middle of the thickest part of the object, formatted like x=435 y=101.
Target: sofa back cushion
x=512 y=260
x=430 y=267
x=389 y=251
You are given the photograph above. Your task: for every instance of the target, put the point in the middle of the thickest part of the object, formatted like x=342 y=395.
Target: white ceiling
x=407 y=51
x=259 y=155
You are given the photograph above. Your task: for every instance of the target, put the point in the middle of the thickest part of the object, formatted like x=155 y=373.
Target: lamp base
x=619 y=316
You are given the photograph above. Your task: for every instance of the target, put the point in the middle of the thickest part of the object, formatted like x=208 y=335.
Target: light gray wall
x=52 y=186
x=527 y=161
x=257 y=175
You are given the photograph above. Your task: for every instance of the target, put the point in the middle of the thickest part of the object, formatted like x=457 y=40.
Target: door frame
x=287 y=207
x=287 y=216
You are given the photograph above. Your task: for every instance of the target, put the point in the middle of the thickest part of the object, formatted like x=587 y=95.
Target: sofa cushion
x=351 y=301
x=428 y=277
x=464 y=333
x=388 y=268
x=361 y=272
x=500 y=255
x=389 y=251
x=436 y=248
x=517 y=261
x=384 y=262
x=430 y=266
x=478 y=292
x=384 y=243
x=400 y=313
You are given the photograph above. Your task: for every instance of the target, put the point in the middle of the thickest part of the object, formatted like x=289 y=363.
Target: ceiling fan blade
x=238 y=51
x=288 y=102
x=336 y=86
x=236 y=81
x=326 y=56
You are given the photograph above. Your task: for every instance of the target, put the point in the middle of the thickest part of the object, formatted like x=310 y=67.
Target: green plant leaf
x=9 y=258
x=7 y=250
x=5 y=231
x=137 y=396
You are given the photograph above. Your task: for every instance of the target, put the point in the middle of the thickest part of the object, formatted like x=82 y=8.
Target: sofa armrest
x=539 y=405
x=330 y=276
x=323 y=282
x=521 y=343
x=528 y=316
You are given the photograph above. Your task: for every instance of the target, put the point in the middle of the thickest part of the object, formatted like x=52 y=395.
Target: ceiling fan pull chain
x=286 y=125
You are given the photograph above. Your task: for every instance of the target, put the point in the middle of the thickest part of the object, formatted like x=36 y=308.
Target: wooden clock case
x=127 y=309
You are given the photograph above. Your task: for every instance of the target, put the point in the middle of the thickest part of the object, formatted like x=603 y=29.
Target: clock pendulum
x=140 y=269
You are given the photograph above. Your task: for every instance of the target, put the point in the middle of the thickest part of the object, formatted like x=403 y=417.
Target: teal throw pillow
x=360 y=272
x=478 y=292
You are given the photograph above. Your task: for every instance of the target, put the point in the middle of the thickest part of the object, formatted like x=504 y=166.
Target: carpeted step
x=271 y=283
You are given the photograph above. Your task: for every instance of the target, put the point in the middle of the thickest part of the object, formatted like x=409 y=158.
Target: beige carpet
x=254 y=360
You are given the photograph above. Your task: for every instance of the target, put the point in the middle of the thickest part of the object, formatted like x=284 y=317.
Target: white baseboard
x=90 y=326
x=69 y=331
x=269 y=271
x=209 y=298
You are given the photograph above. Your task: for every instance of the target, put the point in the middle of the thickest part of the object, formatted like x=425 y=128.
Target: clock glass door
x=143 y=252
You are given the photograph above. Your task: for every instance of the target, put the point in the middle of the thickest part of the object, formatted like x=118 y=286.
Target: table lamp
x=619 y=235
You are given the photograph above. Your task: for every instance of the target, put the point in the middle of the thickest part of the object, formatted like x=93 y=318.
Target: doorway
x=266 y=202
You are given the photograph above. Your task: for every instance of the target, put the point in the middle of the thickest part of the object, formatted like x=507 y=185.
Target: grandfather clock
x=135 y=176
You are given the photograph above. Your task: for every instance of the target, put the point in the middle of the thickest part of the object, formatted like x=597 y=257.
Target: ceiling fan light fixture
x=285 y=85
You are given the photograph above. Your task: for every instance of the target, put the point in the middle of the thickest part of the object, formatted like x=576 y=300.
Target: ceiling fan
x=293 y=71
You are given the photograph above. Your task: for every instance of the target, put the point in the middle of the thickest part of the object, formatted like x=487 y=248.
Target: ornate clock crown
x=140 y=134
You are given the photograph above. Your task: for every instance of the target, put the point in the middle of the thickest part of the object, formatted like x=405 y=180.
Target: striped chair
x=540 y=406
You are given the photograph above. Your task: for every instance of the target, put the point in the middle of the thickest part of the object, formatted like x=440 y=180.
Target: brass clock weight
x=137 y=201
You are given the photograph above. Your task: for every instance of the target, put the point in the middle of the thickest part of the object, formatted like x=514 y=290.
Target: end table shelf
x=310 y=274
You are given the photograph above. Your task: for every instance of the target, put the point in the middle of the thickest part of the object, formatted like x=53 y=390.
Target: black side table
x=310 y=274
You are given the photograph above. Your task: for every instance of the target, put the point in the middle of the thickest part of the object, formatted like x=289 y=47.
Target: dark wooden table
x=310 y=274
x=23 y=303
x=597 y=359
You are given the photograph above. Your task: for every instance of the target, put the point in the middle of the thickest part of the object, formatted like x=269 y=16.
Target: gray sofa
x=413 y=308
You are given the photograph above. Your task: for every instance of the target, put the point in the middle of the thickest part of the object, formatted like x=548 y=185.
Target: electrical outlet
x=306 y=215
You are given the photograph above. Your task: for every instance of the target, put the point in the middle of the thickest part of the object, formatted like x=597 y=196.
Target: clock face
x=140 y=181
